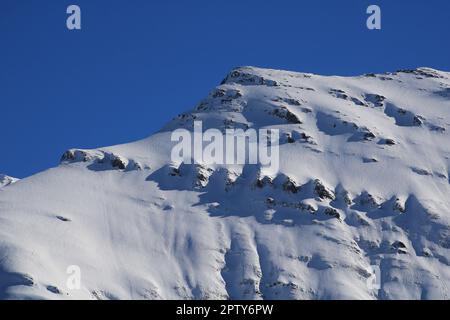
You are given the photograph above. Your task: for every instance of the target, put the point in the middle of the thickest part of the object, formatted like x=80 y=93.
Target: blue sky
x=136 y=64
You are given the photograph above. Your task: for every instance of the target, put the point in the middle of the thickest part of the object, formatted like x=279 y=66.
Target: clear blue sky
x=136 y=64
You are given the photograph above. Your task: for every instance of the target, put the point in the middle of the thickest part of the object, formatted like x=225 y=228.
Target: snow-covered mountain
x=363 y=184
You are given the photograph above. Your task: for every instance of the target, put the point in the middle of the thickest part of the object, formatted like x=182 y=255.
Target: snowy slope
x=363 y=181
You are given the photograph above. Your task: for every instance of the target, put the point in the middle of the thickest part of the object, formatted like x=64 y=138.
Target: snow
x=363 y=181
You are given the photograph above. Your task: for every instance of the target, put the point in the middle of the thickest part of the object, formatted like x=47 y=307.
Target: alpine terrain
x=359 y=208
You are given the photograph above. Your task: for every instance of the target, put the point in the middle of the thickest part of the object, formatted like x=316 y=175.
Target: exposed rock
x=53 y=289
x=332 y=212
x=100 y=160
x=340 y=94
x=306 y=137
x=264 y=181
x=368 y=200
x=64 y=219
x=202 y=175
x=289 y=138
x=418 y=121
x=422 y=172
x=322 y=191
x=375 y=99
x=345 y=196
x=369 y=135
x=423 y=72
x=302 y=206
x=400 y=247
x=306 y=207
x=6 y=180
x=290 y=185
x=226 y=94
x=427 y=252
x=398 y=206
x=118 y=162
x=174 y=172
x=218 y=93
x=242 y=77
x=360 y=219
x=357 y=102
x=283 y=113
x=291 y=101
x=369 y=160
x=75 y=155
x=389 y=142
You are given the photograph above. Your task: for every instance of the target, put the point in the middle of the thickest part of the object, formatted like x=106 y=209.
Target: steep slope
x=363 y=183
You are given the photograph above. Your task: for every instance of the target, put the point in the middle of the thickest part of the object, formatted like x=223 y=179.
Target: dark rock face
x=418 y=121
x=341 y=94
x=400 y=247
x=422 y=72
x=290 y=185
x=307 y=138
x=283 y=113
x=293 y=102
x=118 y=163
x=202 y=175
x=218 y=93
x=344 y=196
x=174 y=172
x=389 y=142
x=332 y=212
x=53 y=289
x=367 y=200
x=307 y=207
x=75 y=156
x=398 y=206
x=241 y=76
x=375 y=99
x=100 y=160
x=68 y=156
x=264 y=181
x=289 y=138
x=369 y=136
x=64 y=219
x=226 y=94
x=422 y=172
x=370 y=160
x=322 y=191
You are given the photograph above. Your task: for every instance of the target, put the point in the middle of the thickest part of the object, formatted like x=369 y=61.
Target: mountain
x=6 y=180
x=363 y=185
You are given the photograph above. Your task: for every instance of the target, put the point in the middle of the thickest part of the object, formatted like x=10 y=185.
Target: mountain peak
x=362 y=185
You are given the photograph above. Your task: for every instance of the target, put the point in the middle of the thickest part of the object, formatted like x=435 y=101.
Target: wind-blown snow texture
x=364 y=180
